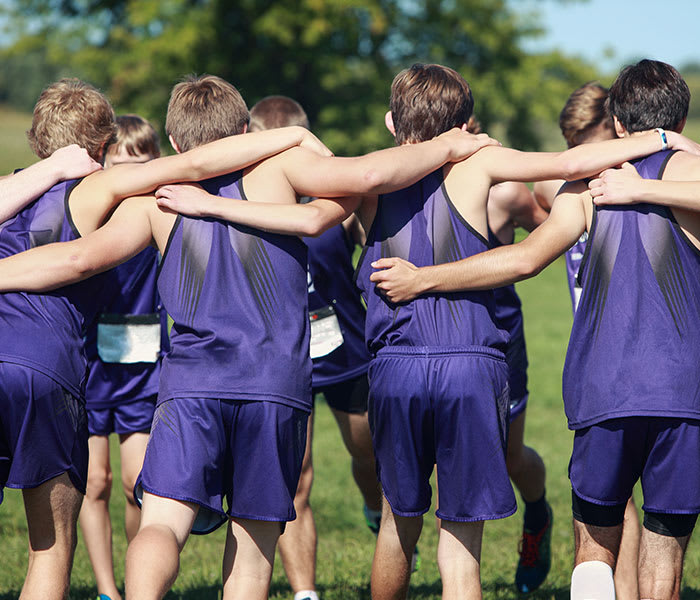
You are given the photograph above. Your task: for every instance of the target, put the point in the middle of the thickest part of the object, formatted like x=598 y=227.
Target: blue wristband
x=664 y=141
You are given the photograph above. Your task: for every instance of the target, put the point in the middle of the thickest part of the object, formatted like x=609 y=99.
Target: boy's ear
x=620 y=131
x=679 y=128
x=245 y=128
x=174 y=144
x=389 y=122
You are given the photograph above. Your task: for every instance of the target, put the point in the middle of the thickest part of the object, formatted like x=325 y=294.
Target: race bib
x=128 y=338
x=325 y=331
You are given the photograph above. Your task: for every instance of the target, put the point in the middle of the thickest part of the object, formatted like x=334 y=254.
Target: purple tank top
x=334 y=299
x=508 y=306
x=45 y=331
x=573 y=257
x=116 y=378
x=238 y=299
x=421 y=225
x=635 y=341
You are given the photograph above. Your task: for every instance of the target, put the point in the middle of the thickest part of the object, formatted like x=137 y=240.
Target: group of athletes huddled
x=253 y=262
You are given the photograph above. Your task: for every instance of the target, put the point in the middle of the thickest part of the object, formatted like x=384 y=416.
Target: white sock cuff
x=304 y=594
x=592 y=580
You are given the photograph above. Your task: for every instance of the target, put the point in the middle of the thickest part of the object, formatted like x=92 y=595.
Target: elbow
x=314 y=223
x=526 y=266
x=372 y=182
x=571 y=169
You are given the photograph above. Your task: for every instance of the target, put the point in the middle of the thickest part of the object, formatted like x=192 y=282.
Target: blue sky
x=666 y=30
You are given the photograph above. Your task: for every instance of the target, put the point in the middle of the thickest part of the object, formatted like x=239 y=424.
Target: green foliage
x=337 y=57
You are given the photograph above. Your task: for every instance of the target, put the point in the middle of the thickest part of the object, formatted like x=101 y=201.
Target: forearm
x=676 y=194
x=488 y=270
x=309 y=219
x=22 y=188
x=43 y=269
x=590 y=159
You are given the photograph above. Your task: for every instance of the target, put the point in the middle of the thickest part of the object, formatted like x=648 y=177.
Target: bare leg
x=459 y=556
x=153 y=557
x=298 y=544
x=248 y=559
x=95 y=522
x=391 y=568
x=661 y=565
x=596 y=543
x=525 y=467
x=626 y=584
x=357 y=437
x=132 y=447
x=52 y=513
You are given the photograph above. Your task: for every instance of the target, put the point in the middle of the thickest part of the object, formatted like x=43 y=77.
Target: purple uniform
x=340 y=357
x=633 y=350
x=509 y=317
x=124 y=350
x=41 y=353
x=240 y=340
x=438 y=384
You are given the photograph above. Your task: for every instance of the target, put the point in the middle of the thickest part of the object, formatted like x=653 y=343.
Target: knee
x=99 y=483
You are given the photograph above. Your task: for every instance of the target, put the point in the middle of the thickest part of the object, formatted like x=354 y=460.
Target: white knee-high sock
x=592 y=580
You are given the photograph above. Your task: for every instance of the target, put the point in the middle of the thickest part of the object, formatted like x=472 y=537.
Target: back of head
x=71 y=112
x=649 y=94
x=585 y=110
x=137 y=137
x=427 y=100
x=277 y=111
x=204 y=109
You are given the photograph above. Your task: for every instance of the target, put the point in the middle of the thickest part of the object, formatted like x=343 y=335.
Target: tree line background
x=336 y=57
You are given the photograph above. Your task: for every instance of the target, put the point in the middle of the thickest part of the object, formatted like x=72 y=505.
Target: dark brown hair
x=649 y=94
x=427 y=100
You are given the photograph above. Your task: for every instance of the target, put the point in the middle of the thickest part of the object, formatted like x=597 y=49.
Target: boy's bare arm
x=96 y=196
x=52 y=266
x=401 y=281
x=378 y=172
x=517 y=202
x=506 y=164
x=309 y=219
x=25 y=186
x=626 y=186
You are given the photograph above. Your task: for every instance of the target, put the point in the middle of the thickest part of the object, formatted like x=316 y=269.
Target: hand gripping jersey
x=635 y=339
x=124 y=347
x=336 y=309
x=45 y=331
x=238 y=298
x=421 y=225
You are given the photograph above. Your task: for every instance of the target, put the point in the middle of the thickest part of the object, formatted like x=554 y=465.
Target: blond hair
x=427 y=100
x=585 y=110
x=71 y=111
x=203 y=109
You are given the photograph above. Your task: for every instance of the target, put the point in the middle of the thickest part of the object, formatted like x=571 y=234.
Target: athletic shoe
x=373 y=522
x=103 y=597
x=535 y=557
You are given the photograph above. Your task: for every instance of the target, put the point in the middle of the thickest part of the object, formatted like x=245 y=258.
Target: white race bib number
x=128 y=338
x=325 y=332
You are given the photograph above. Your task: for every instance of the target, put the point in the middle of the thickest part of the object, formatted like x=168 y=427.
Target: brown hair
x=649 y=94
x=277 y=111
x=585 y=110
x=137 y=136
x=427 y=100
x=473 y=125
x=71 y=111
x=203 y=109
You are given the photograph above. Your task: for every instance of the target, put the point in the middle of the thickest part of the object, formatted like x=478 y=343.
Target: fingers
x=385 y=263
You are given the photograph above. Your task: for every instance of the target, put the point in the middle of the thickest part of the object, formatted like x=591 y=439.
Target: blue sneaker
x=535 y=557
x=103 y=597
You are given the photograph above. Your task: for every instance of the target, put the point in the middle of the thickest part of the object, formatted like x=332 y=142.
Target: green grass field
x=345 y=544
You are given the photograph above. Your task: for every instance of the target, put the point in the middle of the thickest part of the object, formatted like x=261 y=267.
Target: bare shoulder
x=683 y=166
x=545 y=191
x=510 y=196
